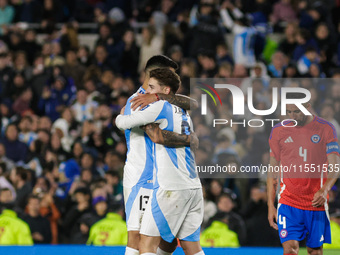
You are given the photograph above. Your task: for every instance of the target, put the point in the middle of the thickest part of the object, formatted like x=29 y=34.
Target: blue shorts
x=296 y=224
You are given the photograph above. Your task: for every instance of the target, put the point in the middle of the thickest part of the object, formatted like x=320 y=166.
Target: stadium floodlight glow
x=238 y=100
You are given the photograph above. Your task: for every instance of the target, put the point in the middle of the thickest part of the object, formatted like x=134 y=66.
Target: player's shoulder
x=320 y=121
x=278 y=127
x=324 y=124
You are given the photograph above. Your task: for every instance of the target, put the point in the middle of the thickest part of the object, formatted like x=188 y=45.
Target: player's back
x=175 y=167
x=138 y=167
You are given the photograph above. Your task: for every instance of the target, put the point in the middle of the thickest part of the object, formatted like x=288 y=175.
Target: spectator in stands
x=254 y=212
x=304 y=40
x=6 y=195
x=151 y=45
x=40 y=227
x=210 y=208
x=49 y=210
x=52 y=12
x=22 y=104
x=283 y=12
x=57 y=148
x=30 y=11
x=276 y=67
x=101 y=58
x=207 y=64
x=310 y=58
x=9 y=164
x=83 y=109
x=112 y=162
x=6 y=16
x=17 y=86
x=83 y=55
x=130 y=57
x=74 y=69
x=20 y=179
x=288 y=44
x=55 y=99
x=62 y=128
x=225 y=206
x=327 y=45
x=204 y=23
x=13 y=145
x=71 y=219
x=6 y=73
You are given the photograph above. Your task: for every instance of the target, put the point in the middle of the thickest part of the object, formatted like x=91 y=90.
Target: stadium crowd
x=61 y=155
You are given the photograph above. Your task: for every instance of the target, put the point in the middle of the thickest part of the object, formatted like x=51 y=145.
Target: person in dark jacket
x=13 y=145
x=40 y=226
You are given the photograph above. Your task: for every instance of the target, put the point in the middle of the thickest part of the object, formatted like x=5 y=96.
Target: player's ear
x=166 y=90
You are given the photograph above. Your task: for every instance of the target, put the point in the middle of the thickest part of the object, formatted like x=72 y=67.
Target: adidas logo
x=289 y=140
x=321 y=239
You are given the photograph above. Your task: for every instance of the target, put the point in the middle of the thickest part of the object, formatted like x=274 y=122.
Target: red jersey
x=302 y=152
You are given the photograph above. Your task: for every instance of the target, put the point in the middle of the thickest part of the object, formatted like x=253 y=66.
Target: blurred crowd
x=61 y=155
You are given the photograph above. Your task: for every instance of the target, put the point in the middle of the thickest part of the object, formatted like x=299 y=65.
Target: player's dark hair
x=166 y=77
x=160 y=61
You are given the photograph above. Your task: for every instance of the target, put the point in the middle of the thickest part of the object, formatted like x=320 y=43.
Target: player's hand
x=37 y=236
x=122 y=110
x=142 y=100
x=272 y=214
x=320 y=198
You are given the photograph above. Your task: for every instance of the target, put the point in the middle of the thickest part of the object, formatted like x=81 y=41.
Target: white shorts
x=174 y=214
x=136 y=200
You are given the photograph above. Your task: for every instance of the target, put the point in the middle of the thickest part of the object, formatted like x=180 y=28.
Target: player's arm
x=170 y=139
x=181 y=101
x=272 y=182
x=320 y=196
x=138 y=118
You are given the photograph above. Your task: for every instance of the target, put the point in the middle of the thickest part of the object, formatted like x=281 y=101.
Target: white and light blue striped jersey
x=175 y=168
x=138 y=169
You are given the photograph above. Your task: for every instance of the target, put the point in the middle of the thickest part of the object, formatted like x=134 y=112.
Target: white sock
x=161 y=252
x=130 y=251
x=149 y=253
x=200 y=253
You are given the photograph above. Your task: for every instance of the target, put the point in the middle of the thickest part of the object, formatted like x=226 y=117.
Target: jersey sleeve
x=274 y=144
x=140 y=118
x=332 y=145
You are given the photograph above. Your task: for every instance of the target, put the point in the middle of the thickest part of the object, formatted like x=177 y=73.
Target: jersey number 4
x=282 y=221
x=303 y=154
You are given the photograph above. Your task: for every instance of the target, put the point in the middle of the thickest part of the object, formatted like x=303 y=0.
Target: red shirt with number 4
x=302 y=152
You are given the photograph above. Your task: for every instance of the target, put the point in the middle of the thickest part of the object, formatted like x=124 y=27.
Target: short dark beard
x=302 y=122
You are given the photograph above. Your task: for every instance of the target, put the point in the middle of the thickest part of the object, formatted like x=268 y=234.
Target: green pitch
x=303 y=251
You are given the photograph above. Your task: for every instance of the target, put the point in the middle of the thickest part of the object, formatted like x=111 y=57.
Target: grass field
x=303 y=251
